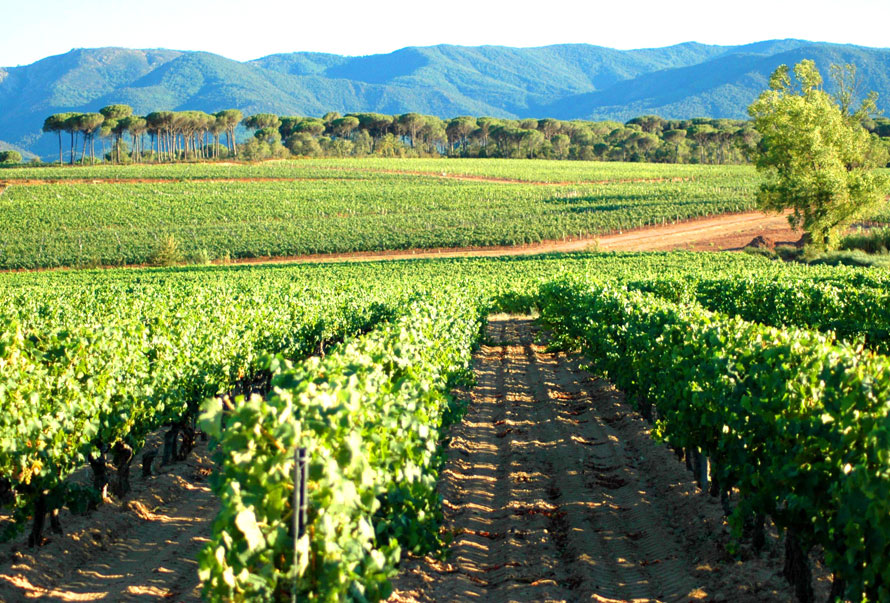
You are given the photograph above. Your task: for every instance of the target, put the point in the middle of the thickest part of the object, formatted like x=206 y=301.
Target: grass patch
x=876 y=240
x=855 y=257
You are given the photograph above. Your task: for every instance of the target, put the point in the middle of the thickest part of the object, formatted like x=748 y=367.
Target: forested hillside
x=565 y=81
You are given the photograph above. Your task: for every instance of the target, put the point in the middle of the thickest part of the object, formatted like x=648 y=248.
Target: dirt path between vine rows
x=141 y=549
x=554 y=491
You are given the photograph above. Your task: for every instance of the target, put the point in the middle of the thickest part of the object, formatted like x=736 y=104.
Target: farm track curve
x=554 y=491
x=724 y=232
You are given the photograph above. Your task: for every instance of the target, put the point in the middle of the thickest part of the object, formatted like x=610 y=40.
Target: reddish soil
x=142 y=548
x=554 y=491
x=726 y=232
x=729 y=232
x=443 y=175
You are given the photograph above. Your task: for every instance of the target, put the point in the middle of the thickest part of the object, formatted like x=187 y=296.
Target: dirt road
x=713 y=233
x=224 y=179
x=555 y=492
x=727 y=232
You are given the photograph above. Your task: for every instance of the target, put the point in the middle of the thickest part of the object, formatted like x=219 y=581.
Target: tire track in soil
x=554 y=491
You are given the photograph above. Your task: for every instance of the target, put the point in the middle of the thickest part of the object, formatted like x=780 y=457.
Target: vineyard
x=503 y=169
x=200 y=213
x=769 y=379
x=164 y=214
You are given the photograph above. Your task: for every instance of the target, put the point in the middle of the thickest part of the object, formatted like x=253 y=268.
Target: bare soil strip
x=50 y=181
x=478 y=178
x=144 y=548
x=710 y=233
x=725 y=232
x=554 y=491
x=440 y=175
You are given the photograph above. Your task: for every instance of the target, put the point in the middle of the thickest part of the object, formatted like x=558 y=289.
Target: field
x=655 y=426
x=500 y=169
x=200 y=213
x=107 y=358
x=95 y=216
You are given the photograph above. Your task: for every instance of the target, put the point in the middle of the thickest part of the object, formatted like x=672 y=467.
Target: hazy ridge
x=572 y=81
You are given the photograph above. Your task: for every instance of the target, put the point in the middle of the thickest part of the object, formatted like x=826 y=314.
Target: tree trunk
x=838 y=588
x=123 y=456
x=35 y=538
x=170 y=439
x=61 y=161
x=797 y=569
x=100 y=473
x=148 y=458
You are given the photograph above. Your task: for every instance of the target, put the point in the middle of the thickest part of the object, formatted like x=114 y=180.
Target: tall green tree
x=136 y=126
x=230 y=118
x=263 y=123
x=411 y=123
x=549 y=127
x=72 y=125
x=343 y=126
x=158 y=124
x=816 y=158
x=89 y=124
x=116 y=114
x=56 y=123
x=675 y=138
x=460 y=128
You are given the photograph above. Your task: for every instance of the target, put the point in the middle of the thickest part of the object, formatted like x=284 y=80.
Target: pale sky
x=242 y=30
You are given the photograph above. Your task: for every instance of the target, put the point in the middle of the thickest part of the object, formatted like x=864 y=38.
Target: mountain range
x=570 y=81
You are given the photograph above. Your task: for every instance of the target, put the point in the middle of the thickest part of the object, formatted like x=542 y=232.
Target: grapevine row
x=514 y=169
x=795 y=421
x=74 y=393
x=369 y=416
x=85 y=224
x=851 y=312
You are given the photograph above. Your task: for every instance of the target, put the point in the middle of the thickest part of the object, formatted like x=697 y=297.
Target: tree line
x=173 y=135
x=196 y=135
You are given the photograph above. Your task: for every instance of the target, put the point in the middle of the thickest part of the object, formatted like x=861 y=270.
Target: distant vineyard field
x=104 y=215
x=551 y=171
